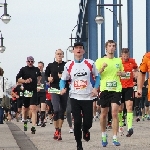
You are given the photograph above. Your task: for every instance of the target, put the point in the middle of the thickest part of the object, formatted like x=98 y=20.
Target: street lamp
x=70 y=49
x=99 y=19
x=5 y=17
x=120 y=21
x=71 y=38
x=2 y=48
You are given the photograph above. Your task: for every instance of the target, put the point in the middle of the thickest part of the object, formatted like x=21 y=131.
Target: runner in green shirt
x=111 y=69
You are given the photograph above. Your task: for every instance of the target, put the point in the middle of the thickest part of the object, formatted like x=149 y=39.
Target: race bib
x=40 y=86
x=21 y=93
x=53 y=90
x=80 y=84
x=111 y=85
x=28 y=94
x=127 y=75
x=135 y=88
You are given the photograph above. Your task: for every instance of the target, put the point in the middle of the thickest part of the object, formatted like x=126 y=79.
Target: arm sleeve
x=97 y=81
x=19 y=75
x=97 y=75
x=65 y=76
x=143 y=66
x=47 y=72
x=62 y=84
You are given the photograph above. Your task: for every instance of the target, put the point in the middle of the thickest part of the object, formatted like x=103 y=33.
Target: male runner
x=28 y=77
x=111 y=69
x=129 y=65
x=42 y=94
x=83 y=90
x=144 y=68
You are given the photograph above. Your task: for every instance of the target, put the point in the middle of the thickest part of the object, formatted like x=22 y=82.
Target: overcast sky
x=38 y=28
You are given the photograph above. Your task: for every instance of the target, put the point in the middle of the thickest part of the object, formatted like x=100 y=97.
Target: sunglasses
x=30 y=61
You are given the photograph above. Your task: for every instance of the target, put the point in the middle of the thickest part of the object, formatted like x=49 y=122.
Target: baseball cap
x=30 y=58
x=78 y=44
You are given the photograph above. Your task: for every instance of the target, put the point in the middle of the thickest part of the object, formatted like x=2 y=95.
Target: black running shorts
x=127 y=94
x=108 y=97
x=27 y=101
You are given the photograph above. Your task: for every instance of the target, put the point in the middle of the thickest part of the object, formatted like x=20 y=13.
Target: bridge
x=87 y=30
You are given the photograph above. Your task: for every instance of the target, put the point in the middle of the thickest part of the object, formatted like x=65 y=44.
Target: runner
x=42 y=94
x=28 y=77
x=147 y=103
x=111 y=69
x=2 y=88
x=14 y=103
x=49 y=104
x=53 y=74
x=144 y=68
x=127 y=91
x=19 y=95
x=82 y=92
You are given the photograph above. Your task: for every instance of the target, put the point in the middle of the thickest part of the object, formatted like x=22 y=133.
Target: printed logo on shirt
x=117 y=65
x=80 y=84
x=80 y=73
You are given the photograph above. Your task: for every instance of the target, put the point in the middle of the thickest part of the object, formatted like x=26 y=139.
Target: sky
x=38 y=28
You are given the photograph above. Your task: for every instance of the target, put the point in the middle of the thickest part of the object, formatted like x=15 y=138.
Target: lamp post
x=70 y=49
x=2 y=48
x=5 y=17
x=71 y=38
x=99 y=19
x=120 y=29
x=119 y=23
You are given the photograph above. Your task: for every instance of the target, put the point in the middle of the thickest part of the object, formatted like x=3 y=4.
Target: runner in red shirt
x=14 y=103
x=127 y=90
x=49 y=103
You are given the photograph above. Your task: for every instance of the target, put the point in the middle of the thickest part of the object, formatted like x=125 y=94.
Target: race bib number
x=135 y=88
x=28 y=94
x=21 y=93
x=53 y=90
x=111 y=85
x=80 y=84
x=41 y=86
x=127 y=75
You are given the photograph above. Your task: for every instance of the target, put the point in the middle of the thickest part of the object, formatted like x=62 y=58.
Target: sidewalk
x=43 y=139
x=7 y=141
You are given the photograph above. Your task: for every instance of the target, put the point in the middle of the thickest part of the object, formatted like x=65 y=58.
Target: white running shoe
x=71 y=130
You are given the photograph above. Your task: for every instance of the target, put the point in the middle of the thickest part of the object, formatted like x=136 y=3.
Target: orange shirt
x=129 y=65
x=145 y=67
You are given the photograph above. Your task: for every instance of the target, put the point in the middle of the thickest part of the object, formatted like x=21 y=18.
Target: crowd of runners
x=82 y=91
